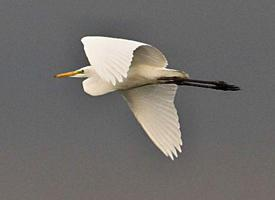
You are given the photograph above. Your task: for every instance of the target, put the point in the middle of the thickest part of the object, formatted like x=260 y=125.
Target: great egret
x=138 y=71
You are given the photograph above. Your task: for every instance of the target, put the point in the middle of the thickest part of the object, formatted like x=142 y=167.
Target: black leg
x=217 y=85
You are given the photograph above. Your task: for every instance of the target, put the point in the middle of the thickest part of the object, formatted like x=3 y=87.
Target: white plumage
x=138 y=71
x=134 y=69
x=154 y=108
x=112 y=57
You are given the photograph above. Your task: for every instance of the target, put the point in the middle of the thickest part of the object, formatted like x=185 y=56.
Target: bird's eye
x=81 y=71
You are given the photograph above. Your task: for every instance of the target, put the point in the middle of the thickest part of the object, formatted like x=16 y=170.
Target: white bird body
x=138 y=71
x=137 y=76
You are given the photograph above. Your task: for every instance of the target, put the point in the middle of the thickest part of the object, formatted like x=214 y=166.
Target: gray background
x=56 y=142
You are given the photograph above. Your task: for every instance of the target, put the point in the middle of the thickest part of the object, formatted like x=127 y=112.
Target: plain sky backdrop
x=57 y=143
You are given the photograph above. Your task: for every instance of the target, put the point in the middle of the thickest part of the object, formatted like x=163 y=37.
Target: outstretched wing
x=154 y=108
x=112 y=57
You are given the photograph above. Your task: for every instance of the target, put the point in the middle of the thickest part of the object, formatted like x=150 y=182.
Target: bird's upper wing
x=112 y=57
x=154 y=108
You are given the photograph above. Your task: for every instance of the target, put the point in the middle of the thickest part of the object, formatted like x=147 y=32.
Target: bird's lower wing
x=154 y=108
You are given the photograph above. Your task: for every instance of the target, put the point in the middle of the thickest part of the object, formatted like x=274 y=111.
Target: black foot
x=221 y=85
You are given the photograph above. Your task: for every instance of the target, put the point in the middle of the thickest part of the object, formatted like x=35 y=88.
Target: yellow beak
x=67 y=74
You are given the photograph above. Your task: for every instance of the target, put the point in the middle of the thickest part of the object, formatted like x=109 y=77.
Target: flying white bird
x=138 y=71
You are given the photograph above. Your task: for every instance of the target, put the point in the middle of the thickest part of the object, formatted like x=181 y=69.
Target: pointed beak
x=67 y=74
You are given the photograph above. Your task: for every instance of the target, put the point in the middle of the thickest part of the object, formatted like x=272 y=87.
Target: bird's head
x=83 y=72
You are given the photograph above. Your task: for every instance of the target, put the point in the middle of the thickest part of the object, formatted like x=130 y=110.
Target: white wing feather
x=112 y=57
x=154 y=108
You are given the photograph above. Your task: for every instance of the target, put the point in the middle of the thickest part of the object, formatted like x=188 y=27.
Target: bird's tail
x=174 y=74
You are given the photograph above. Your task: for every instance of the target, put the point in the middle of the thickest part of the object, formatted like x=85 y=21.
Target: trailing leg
x=217 y=85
